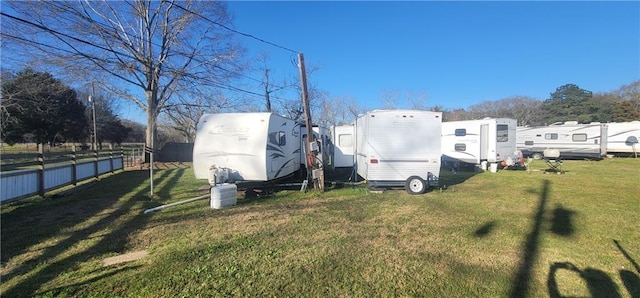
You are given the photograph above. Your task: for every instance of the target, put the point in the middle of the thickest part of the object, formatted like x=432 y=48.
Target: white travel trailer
x=489 y=140
x=623 y=137
x=246 y=147
x=399 y=148
x=573 y=140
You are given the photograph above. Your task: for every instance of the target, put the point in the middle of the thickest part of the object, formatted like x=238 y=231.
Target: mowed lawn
x=508 y=234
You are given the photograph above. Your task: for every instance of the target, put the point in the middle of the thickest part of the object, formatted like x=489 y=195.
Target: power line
x=57 y=33
x=230 y=88
x=236 y=31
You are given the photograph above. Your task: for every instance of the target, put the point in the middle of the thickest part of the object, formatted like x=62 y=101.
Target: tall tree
x=136 y=131
x=109 y=126
x=148 y=49
x=630 y=92
x=38 y=104
x=626 y=111
x=569 y=102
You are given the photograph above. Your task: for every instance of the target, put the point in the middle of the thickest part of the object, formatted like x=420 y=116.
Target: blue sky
x=457 y=53
x=451 y=54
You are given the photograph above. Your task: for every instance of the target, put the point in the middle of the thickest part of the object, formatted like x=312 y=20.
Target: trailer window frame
x=279 y=138
x=579 y=137
x=551 y=136
x=502 y=133
x=345 y=140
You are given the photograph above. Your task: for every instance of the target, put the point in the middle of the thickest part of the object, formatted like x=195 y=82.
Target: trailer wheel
x=415 y=185
x=537 y=156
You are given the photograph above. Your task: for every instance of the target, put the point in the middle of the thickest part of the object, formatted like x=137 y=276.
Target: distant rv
x=571 y=139
x=489 y=140
x=593 y=140
x=622 y=138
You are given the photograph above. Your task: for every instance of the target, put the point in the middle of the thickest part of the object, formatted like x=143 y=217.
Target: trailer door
x=484 y=141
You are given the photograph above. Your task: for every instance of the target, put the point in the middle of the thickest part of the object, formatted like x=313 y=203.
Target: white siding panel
x=18 y=185
x=58 y=176
x=104 y=166
x=85 y=170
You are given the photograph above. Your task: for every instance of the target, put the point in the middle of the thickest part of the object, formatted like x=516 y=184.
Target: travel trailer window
x=503 y=133
x=461 y=147
x=461 y=132
x=279 y=138
x=345 y=140
x=579 y=137
x=551 y=136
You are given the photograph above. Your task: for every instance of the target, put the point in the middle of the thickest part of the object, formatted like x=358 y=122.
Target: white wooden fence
x=23 y=183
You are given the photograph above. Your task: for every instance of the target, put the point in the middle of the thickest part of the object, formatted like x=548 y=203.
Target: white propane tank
x=223 y=195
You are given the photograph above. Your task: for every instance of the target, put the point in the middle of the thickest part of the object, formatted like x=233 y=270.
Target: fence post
x=111 y=157
x=95 y=163
x=122 y=156
x=74 y=165
x=41 y=170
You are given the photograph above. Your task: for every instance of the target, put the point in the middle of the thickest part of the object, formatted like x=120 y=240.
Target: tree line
x=38 y=108
x=568 y=102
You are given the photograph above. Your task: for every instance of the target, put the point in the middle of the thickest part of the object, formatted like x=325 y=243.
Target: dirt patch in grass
x=124 y=258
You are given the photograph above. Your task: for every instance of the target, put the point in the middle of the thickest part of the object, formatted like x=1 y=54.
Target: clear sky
x=454 y=54
x=457 y=53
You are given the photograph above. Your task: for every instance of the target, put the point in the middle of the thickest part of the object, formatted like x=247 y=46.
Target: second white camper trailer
x=623 y=137
x=489 y=140
x=571 y=139
x=399 y=148
x=246 y=147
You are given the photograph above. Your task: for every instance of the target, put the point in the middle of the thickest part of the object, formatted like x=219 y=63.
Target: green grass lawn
x=508 y=234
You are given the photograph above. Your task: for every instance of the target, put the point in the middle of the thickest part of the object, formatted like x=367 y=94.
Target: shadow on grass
x=117 y=193
x=562 y=223
x=450 y=177
x=520 y=286
x=598 y=282
x=485 y=229
x=53 y=215
x=630 y=279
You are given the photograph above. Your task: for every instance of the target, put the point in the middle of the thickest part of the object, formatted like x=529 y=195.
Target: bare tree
x=185 y=113
x=267 y=81
x=522 y=108
x=394 y=99
x=630 y=92
x=143 y=51
x=340 y=110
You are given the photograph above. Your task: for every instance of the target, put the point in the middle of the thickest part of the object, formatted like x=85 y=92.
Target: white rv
x=489 y=140
x=246 y=147
x=623 y=137
x=572 y=139
x=399 y=148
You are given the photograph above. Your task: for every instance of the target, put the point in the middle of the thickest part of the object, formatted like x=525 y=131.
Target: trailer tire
x=537 y=156
x=415 y=185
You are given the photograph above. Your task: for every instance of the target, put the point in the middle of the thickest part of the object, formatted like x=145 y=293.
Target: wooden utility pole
x=313 y=173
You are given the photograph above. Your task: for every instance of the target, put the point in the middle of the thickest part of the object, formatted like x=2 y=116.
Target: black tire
x=415 y=185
